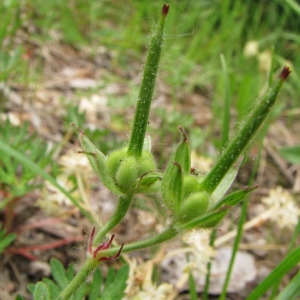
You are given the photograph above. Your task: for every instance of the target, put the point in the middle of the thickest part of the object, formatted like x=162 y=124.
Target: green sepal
x=208 y=220
x=235 y=197
x=149 y=183
x=224 y=184
x=183 y=152
x=172 y=186
x=172 y=182
x=97 y=160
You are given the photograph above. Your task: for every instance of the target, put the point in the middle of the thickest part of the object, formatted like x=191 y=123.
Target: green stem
x=79 y=279
x=235 y=249
x=92 y=263
x=244 y=135
x=146 y=91
x=121 y=210
x=166 y=235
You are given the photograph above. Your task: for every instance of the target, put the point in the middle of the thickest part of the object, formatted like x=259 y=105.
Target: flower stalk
x=121 y=210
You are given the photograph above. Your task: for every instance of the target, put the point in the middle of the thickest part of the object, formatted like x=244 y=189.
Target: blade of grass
x=40 y=172
x=291 y=246
x=235 y=248
x=207 y=277
x=241 y=224
x=292 y=290
x=227 y=102
x=289 y=262
x=294 y=5
x=192 y=287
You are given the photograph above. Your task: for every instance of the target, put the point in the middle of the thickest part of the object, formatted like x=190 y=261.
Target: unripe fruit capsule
x=146 y=166
x=113 y=162
x=127 y=174
x=193 y=206
x=190 y=185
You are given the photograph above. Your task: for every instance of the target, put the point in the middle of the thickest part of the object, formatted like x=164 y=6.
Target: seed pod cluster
x=195 y=205
x=126 y=170
x=181 y=190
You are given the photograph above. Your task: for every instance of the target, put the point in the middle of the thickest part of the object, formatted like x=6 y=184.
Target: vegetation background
x=80 y=61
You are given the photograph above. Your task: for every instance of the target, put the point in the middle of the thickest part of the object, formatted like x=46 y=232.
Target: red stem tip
x=165 y=9
x=285 y=73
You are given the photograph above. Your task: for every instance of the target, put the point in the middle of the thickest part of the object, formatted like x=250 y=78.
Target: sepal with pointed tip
x=97 y=160
x=183 y=152
x=172 y=182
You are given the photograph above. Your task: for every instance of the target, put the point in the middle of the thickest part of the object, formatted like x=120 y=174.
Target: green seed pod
x=127 y=174
x=147 y=155
x=146 y=166
x=113 y=162
x=193 y=206
x=190 y=185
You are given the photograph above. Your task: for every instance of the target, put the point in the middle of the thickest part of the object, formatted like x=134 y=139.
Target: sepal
x=97 y=160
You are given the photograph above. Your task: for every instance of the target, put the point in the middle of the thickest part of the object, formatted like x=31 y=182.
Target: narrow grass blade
x=40 y=172
x=227 y=102
x=289 y=262
x=292 y=290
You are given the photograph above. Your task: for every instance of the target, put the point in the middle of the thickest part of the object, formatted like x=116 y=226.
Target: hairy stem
x=121 y=210
x=89 y=265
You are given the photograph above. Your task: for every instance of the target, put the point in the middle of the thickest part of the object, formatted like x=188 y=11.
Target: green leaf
x=31 y=287
x=291 y=154
x=41 y=292
x=53 y=288
x=59 y=273
x=115 y=284
x=5 y=240
x=70 y=273
x=289 y=262
x=37 y=170
x=95 y=286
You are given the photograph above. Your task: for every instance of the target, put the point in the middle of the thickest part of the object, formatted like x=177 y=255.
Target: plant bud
x=113 y=162
x=193 y=206
x=127 y=174
x=190 y=185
